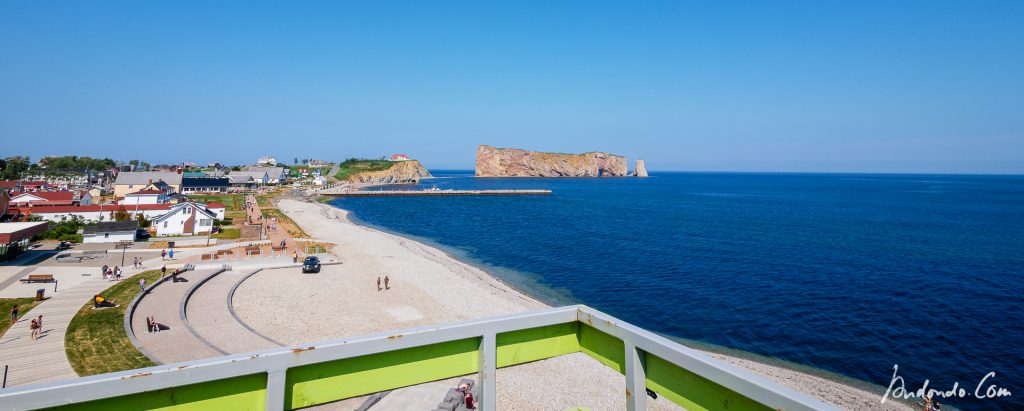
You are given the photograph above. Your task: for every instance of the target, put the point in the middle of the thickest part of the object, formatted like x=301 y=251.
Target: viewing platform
x=416 y=193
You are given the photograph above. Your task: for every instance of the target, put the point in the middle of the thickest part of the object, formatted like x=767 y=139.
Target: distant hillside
x=381 y=171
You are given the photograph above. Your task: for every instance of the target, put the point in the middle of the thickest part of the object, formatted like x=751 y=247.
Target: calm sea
x=846 y=273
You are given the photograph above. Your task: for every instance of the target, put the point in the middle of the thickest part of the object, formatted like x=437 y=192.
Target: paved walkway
x=44 y=359
x=163 y=302
x=207 y=313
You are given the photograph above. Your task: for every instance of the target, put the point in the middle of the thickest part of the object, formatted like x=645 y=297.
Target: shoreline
x=822 y=386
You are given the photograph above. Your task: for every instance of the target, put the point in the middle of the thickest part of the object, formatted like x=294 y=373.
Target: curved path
x=44 y=359
x=163 y=302
x=207 y=313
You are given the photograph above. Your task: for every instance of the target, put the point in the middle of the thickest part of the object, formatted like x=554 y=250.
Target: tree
x=121 y=215
x=14 y=166
x=141 y=219
x=296 y=161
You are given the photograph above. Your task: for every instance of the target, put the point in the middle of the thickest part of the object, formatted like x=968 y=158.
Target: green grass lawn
x=24 y=304
x=352 y=166
x=96 y=341
x=228 y=233
x=234 y=202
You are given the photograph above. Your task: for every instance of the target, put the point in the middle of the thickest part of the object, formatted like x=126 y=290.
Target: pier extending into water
x=414 y=193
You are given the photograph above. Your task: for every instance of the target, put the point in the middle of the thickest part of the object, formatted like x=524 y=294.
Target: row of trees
x=12 y=168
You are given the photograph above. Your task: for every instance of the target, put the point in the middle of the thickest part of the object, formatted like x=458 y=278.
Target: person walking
x=34 y=326
x=386 y=281
x=378 y=283
x=14 y=310
x=295 y=257
x=117 y=273
x=142 y=285
x=163 y=271
x=170 y=254
x=163 y=254
x=39 y=323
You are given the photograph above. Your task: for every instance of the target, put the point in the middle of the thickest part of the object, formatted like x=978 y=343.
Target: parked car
x=141 y=234
x=311 y=265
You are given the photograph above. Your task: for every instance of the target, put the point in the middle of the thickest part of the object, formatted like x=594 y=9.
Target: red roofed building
x=43 y=198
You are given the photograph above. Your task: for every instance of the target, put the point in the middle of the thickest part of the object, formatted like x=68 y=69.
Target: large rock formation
x=640 y=170
x=401 y=172
x=513 y=162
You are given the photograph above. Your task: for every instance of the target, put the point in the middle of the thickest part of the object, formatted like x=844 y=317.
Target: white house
x=186 y=218
x=92 y=213
x=110 y=232
x=254 y=177
x=320 y=181
x=275 y=175
x=399 y=157
x=150 y=196
x=267 y=161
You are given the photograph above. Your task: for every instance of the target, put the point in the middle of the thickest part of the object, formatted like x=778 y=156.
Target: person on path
x=117 y=273
x=163 y=271
x=142 y=285
x=34 y=326
x=295 y=257
x=163 y=254
x=386 y=281
x=105 y=269
x=170 y=254
x=378 y=283
x=39 y=323
x=14 y=312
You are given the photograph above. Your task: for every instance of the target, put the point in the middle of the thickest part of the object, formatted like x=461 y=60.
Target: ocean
x=845 y=273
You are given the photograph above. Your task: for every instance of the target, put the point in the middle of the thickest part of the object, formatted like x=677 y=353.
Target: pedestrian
x=378 y=283
x=40 y=321
x=117 y=273
x=295 y=257
x=34 y=326
x=14 y=314
x=170 y=254
x=142 y=285
x=163 y=271
x=386 y=281
x=163 y=254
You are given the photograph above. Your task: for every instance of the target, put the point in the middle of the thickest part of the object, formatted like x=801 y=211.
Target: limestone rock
x=401 y=172
x=513 y=162
x=640 y=170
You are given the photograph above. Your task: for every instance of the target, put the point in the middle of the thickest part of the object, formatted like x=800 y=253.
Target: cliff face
x=640 y=170
x=513 y=162
x=401 y=172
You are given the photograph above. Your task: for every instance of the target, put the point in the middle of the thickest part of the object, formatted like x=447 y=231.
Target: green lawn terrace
x=309 y=375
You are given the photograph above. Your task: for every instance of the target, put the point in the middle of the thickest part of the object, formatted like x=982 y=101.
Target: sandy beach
x=427 y=286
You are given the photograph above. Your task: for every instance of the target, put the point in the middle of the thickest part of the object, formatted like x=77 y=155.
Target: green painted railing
x=310 y=375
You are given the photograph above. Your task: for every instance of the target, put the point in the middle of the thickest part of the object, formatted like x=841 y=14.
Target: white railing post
x=636 y=379
x=488 y=372
x=275 y=390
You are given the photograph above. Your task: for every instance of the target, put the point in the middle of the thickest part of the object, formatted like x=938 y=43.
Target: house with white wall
x=186 y=218
x=110 y=232
x=150 y=196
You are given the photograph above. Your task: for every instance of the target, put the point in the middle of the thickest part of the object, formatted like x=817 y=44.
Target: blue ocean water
x=846 y=273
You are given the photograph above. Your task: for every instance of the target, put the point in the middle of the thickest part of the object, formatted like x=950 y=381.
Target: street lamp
x=124 y=245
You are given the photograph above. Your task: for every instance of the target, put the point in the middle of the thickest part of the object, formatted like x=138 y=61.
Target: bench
x=38 y=278
x=252 y=251
x=277 y=248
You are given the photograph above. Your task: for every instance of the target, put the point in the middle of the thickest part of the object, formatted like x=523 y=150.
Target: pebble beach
x=427 y=286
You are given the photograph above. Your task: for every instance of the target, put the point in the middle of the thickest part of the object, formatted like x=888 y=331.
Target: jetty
x=418 y=193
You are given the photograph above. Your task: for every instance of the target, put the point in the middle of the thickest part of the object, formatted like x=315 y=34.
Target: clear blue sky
x=887 y=86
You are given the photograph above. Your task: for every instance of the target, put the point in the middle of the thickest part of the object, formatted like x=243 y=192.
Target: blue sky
x=888 y=86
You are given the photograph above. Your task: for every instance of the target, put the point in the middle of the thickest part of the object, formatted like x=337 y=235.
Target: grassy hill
x=353 y=165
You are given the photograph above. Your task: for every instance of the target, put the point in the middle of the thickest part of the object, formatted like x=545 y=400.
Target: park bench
x=252 y=251
x=277 y=248
x=38 y=278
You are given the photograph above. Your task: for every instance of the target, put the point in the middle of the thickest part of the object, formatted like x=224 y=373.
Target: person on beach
x=14 y=312
x=163 y=254
x=386 y=281
x=378 y=283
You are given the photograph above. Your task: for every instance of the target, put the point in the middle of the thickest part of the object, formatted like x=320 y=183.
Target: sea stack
x=640 y=170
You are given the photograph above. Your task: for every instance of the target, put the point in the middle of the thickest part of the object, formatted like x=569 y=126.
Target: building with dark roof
x=204 y=185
